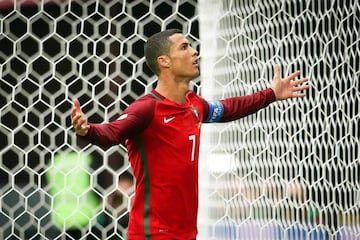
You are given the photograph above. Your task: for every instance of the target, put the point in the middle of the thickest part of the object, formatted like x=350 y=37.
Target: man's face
x=183 y=58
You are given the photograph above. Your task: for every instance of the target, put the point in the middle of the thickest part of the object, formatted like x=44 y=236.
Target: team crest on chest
x=196 y=114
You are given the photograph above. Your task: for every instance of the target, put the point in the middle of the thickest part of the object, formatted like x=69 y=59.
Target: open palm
x=288 y=87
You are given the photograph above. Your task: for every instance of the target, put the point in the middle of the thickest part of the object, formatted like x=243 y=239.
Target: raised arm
x=132 y=121
x=230 y=109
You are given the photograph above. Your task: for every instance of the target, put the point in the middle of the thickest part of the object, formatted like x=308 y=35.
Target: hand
x=288 y=87
x=78 y=120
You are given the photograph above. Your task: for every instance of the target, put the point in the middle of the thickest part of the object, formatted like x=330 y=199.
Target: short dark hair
x=157 y=45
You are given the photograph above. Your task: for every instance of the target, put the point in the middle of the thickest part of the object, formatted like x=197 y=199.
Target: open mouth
x=196 y=62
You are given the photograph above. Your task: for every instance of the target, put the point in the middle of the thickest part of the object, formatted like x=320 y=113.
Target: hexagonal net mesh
x=289 y=172
x=292 y=170
x=51 y=185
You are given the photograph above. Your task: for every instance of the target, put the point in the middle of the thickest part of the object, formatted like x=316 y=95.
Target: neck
x=172 y=89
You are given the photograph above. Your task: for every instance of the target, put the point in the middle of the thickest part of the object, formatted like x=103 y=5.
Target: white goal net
x=291 y=171
x=51 y=186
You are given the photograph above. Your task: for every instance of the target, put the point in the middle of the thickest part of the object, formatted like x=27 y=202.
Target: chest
x=178 y=119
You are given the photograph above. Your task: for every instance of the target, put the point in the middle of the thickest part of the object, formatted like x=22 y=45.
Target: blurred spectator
x=116 y=213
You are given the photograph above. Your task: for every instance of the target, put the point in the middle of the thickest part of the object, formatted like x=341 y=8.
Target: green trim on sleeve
x=146 y=188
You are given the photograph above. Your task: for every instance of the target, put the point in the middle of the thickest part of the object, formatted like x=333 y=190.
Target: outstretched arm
x=131 y=122
x=230 y=109
x=288 y=87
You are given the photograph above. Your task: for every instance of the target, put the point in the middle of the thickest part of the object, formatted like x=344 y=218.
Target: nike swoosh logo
x=167 y=120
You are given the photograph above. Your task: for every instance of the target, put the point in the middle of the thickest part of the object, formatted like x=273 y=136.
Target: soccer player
x=162 y=134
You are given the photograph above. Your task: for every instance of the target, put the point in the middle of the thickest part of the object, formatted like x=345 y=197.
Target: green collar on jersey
x=155 y=96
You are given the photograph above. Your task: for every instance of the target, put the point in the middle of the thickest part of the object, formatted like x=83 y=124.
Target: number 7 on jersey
x=192 y=138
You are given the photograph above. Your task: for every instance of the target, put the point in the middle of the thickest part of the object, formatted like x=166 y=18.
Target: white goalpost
x=290 y=171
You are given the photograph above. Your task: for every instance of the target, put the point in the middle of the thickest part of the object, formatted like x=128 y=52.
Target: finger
x=75 y=118
x=299 y=81
x=293 y=75
x=301 y=88
x=74 y=112
x=298 y=95
x=78 y=125
x=81 y=122
x=76 y=104
x=76 y=108
x=277 y=71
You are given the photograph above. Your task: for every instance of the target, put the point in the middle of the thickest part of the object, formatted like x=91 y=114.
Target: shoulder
x=193 y=97
x=141 y=106
x=139 y=113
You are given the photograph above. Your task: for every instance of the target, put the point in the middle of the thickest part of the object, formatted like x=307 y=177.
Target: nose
x=195 y=52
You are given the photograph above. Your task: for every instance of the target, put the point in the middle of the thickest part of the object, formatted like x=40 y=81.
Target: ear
x=163 y=61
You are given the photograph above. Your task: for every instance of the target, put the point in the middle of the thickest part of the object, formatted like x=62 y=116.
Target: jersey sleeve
x=234 y=108
x=131 y=122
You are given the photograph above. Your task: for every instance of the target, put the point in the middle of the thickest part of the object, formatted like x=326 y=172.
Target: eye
x=185 y=46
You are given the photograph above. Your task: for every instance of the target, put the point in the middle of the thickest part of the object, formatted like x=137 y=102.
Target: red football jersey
x=167 y=188
x=162 y=138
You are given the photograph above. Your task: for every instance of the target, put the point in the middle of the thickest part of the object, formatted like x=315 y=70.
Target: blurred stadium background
x=292 y=171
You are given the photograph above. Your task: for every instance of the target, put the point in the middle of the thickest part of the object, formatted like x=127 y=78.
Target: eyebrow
x=185 y=43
